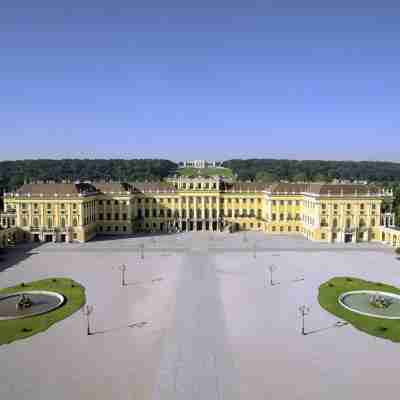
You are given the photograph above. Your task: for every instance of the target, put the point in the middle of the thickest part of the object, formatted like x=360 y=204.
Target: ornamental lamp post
x=304 y=310
x=141 y=250
x=123 y=269
x=272 y=268
x=87 y=311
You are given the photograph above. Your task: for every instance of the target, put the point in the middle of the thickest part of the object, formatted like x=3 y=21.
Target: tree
x=264 y=176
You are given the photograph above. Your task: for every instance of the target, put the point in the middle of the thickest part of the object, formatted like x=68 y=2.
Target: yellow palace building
x=69 y=212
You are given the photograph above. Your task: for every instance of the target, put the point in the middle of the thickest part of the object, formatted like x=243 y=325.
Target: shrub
x=331 y=285
x=382 y=328
x=349 y=280
x=54 y=280
x=26 y=329
x=22 y=284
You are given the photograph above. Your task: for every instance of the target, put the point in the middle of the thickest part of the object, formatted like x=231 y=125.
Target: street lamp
x=272 y=268
x=141 y=250
x=123 y=269
x=304 y=310
x=87 y=310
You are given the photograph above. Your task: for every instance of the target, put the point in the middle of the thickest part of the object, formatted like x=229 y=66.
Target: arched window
x=348 y=223
x=75 y=222
x=335 y=222
x=362 y=222
x=323 y=222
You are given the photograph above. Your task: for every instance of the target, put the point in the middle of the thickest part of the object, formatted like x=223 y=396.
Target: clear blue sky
x=218 y=80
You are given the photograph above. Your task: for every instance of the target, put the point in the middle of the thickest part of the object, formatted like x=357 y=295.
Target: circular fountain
x=28 y=304
x=372 y=303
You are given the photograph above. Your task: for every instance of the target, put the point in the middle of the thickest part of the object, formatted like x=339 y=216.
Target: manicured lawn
x=11 y=330
x=328 y=299
x=226 y=172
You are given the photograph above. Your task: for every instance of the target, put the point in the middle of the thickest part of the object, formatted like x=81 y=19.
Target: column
x=203 y=212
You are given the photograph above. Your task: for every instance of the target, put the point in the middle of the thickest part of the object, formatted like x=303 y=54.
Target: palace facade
x=79 y=211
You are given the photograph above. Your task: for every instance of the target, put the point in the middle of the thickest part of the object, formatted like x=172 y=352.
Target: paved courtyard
x=199 y=320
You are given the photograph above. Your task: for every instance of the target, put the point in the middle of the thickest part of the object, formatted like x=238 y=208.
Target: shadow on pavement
x=338 y=324
x=11 y=256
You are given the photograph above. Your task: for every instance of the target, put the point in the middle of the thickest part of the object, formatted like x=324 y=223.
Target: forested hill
x=14 y=173
x=293 y=170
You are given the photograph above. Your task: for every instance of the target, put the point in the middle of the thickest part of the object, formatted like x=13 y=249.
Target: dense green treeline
x=314 y=170
x=14 y=173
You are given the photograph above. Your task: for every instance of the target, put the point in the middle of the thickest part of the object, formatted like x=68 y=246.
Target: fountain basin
x=359 y=302
x=42 y=302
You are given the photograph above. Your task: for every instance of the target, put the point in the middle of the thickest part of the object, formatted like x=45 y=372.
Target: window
x=362 y=206
x=75 y=236
x=74 y=206
x=108 y=217
x=101 y=202
x=289 y=229
x=273 y=229
x=323 y=205
x=273 y=217
x=281 y=228
x=100 y=228
x=322 y=236
x=281 y=217
x=101 y=217
x=289 y=202
x=281 y=202
x=348 y=206
x=297 y=229
x=116 y=228
x=116 y=216
x=124 y=228
x=373 y=222
x=373 y=206
x=335 y=206
x=75 y=222
x=297 y=202
x=274 y=202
